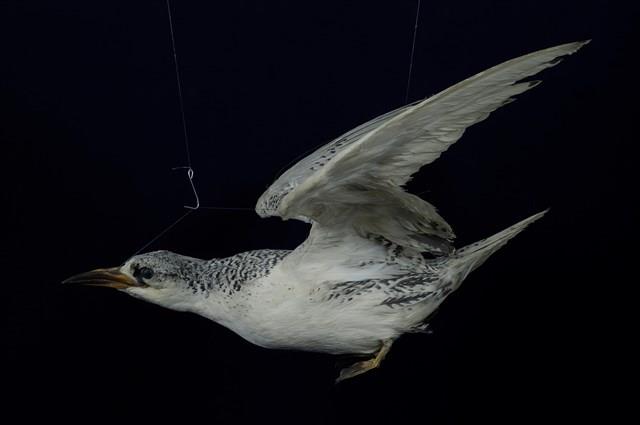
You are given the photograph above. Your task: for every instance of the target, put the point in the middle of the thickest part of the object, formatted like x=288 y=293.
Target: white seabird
x=360 y=280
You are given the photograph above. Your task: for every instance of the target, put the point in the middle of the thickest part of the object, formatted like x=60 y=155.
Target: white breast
x=280 y=312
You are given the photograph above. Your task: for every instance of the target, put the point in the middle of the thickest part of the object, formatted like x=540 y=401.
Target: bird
x=378 y=261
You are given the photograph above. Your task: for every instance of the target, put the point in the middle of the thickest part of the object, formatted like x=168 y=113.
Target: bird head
x=160 y=277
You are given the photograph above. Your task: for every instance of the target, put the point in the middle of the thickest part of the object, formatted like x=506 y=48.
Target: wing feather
x=356 y=180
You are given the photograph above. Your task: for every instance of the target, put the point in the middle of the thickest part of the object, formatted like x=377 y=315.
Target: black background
x=91 y=128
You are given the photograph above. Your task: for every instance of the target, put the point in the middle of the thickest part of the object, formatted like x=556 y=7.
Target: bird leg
x=366 y=365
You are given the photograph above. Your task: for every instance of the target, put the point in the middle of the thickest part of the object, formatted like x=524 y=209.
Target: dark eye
x=143 y=272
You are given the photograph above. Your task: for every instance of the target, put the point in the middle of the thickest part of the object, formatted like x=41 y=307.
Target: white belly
x=295 y=317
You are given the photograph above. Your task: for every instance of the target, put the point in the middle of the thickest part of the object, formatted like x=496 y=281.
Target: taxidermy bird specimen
x=378 y=260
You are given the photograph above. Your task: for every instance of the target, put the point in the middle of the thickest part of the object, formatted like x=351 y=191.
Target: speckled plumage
x=340 y=305
x=361 y=279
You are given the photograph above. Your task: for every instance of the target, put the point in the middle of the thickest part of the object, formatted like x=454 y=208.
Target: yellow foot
x=366 y=365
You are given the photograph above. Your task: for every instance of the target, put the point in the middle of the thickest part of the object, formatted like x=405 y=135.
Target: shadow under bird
x=361 y=278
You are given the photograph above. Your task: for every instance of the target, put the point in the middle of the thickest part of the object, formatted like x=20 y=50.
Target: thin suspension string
x=159 y=235
x=413 y=49
x=228 y=208
x=186 y=141
x=179 y=84
x=189 y=168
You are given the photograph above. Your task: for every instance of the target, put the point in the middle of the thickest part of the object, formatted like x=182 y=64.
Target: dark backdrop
x=90 y=129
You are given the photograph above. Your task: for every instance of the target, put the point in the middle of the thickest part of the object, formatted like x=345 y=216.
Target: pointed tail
x=469 y=258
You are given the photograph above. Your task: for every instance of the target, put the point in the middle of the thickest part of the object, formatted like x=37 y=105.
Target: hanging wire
x=228 y=208
x=189 y=168
x=413 y=49
x=193 y=187
x=182 y=114
x=159 y=235
x=179 y=84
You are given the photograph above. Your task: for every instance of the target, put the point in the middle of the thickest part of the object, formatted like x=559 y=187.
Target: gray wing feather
x=356 y=180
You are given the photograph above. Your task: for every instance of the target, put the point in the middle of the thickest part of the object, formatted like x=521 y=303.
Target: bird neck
x=224 y=282
x=216 y=288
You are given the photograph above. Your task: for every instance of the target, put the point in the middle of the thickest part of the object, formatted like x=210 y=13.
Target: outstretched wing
x=356 y=180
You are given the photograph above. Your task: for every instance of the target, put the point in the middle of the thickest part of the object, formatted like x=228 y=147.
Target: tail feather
x=469 y=258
